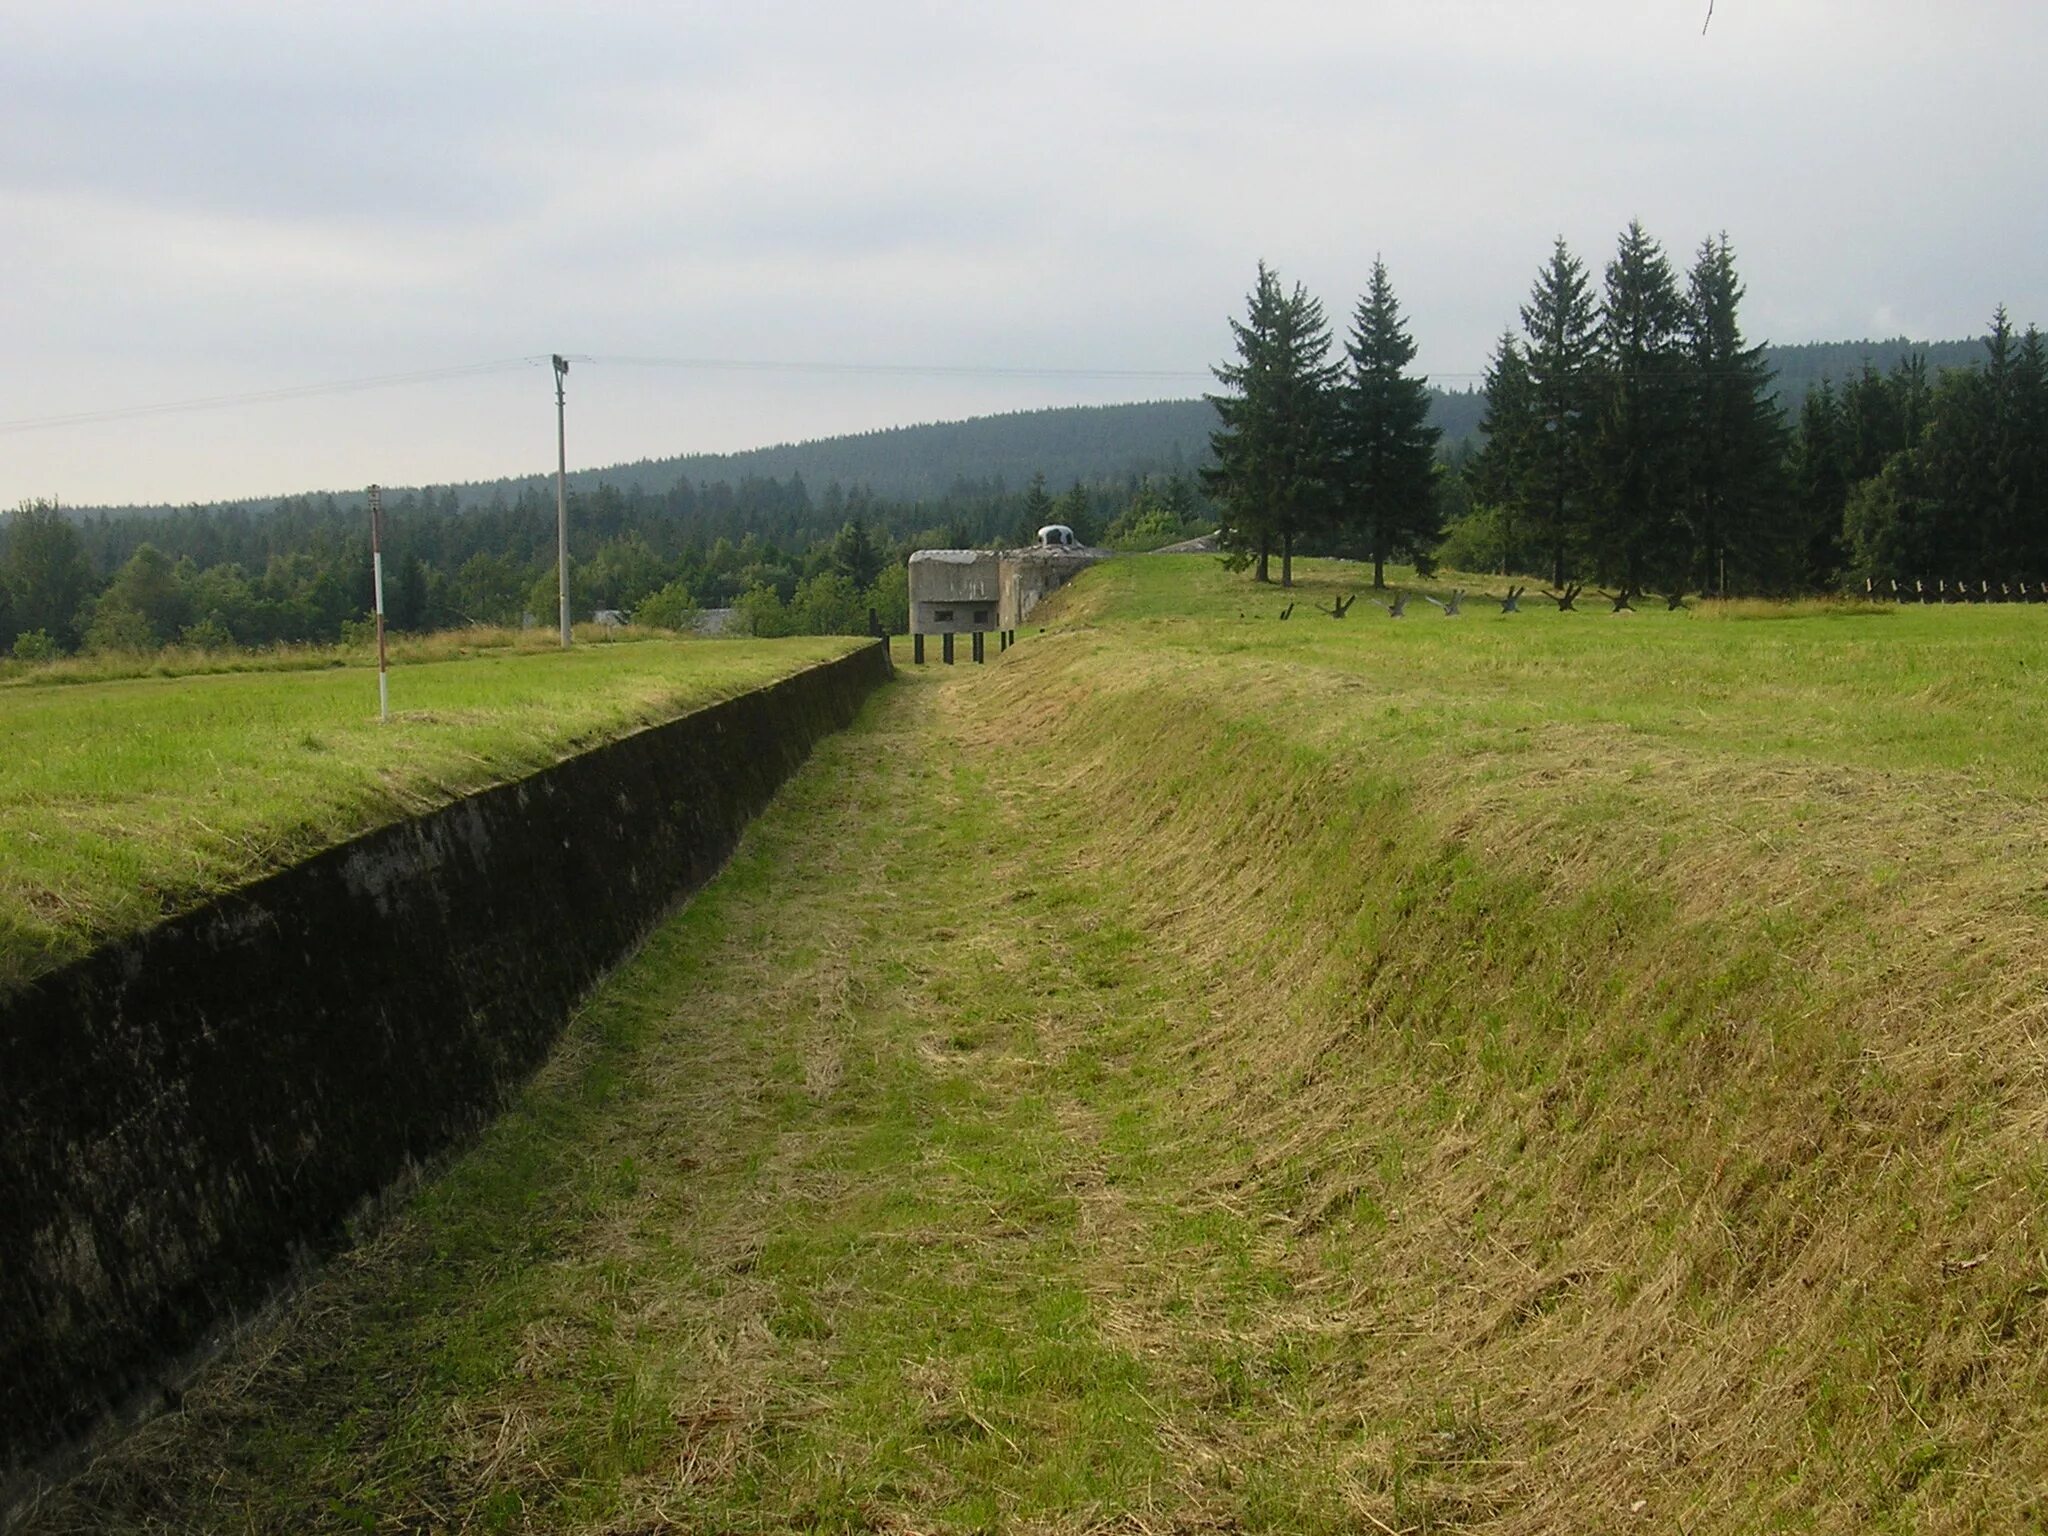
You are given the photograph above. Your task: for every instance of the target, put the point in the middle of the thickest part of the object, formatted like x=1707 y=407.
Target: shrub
x=209 y=634
x=673 y=607
x=120 y=628
x=36 y=645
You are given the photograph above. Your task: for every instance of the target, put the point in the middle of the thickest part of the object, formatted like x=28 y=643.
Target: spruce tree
x=1961 y=462
x=2004 y=445
x=1386 y=448
x=1872 y=429
x=1639 y=439
x=1736 y=493
x=855 y=554
x=2029 y=554
x=1499 y=475
x=1077 y=510
x=1273 y=468
x=1037 y=503
x=1564 y=362
x=1822 y=486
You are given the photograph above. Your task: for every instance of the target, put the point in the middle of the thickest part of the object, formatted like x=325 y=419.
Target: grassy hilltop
x=1558 y=1072
x=126 y=798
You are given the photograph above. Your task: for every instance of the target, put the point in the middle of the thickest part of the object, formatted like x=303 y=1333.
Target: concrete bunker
x=976 y=591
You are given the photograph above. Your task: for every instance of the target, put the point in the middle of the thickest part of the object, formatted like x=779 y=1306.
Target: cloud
x=214 y=198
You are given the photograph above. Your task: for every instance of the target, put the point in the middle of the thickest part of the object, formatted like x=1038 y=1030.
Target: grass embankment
x=403 y=649
x=1552 y=1073
x=124 y=800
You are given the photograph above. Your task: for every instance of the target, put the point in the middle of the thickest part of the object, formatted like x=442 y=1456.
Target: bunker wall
x=954 y=591
x=1031 y=576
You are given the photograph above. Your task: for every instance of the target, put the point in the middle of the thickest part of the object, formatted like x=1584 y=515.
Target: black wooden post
x=977 y=646
x=917 y=649
x=946 y=647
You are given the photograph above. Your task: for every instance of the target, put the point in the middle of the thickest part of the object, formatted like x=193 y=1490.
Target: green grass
x=123 y=800
x=1200 y=1073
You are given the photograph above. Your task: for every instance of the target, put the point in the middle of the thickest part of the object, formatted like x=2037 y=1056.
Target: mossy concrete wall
x=188 y=1115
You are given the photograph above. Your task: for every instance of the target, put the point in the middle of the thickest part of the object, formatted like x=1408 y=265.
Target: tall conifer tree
x=1037 y=505
x=1823 y=487
x=1274 y=467
x=2030 y=488
x=1386 y=447
x=2005 y=446
x=1563 y=359
x=1639 y=442
x=1499 y=475
x=1736 y=493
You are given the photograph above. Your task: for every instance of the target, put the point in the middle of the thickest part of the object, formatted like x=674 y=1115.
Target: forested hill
x=931 y=460
x=928 y=463
x=1089 y=445
x=1801 y=368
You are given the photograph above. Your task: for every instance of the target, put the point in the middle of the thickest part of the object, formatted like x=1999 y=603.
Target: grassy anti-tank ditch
x=1562 y=1072
x=190 y=1111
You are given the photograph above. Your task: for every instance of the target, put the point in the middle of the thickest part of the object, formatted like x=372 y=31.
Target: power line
x=266 y=396
x=938 y=370
x=503 y=365
x=687 y=364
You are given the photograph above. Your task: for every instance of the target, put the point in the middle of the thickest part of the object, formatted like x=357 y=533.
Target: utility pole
x=562 y=494
x=377 y=589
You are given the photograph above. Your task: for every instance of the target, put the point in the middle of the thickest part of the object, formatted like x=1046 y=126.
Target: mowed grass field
x=125 y=800
x=1545 y=1073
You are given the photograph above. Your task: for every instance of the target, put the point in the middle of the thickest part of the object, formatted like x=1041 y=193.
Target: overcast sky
x=218 y=200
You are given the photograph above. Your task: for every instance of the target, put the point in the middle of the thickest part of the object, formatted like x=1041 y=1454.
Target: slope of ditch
x=1196 y=1075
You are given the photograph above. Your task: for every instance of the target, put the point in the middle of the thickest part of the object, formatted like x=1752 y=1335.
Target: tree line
x=1629 y=435
x=1632 y=436
x=298 y=571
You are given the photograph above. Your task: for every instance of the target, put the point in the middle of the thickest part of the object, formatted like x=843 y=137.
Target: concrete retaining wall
x=188 y=1115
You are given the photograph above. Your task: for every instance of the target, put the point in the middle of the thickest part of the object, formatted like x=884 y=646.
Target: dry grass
x=1679 y=1114
x=1198 y=1075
